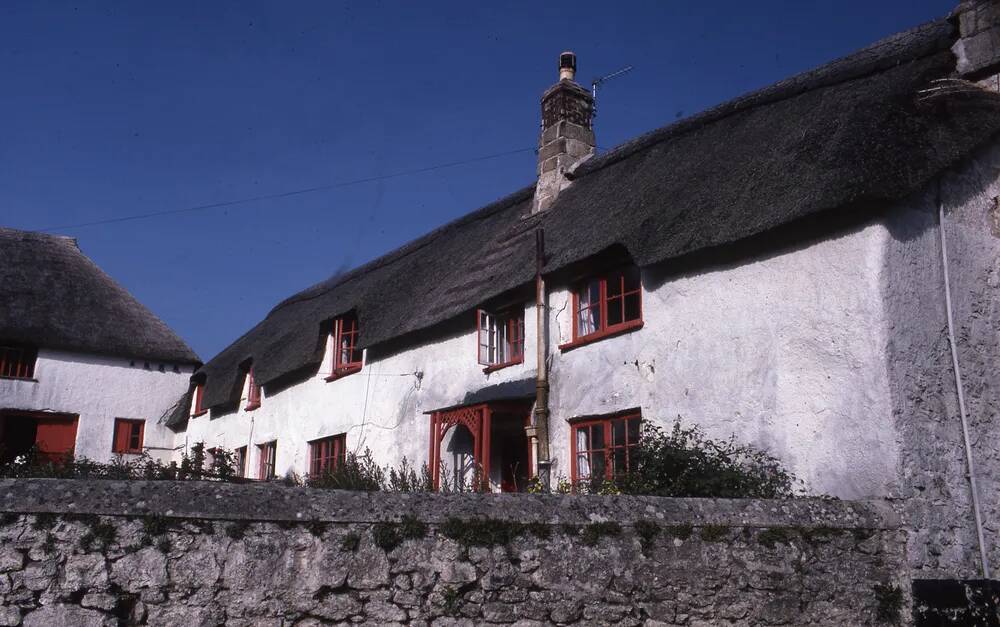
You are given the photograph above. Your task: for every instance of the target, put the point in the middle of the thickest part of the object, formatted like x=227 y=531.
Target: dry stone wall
x=170 y=553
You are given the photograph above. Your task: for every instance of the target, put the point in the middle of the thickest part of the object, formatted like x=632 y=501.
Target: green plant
x=685 y=463
x=647 y=531
x=100 y=532
x=538 y=529
x=8 y=519
x=350 y=542
x=163 y=545
x=593 y=532
x=156 y=525
x=681 y=532
x=354 y=472
x=237 y=530
x=570 y=529
x=452 y=601
x=481 y=531
x=889 y=604
x=770 y=537
x=49 y=545
x=386 y=535
x=317 y=527
x=44 y=520
x=714 y=533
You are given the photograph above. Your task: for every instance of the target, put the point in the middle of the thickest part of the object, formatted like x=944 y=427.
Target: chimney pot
x=567 y=66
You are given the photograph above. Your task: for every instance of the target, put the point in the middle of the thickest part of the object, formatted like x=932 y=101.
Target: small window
x=253 y=391
x=17 y=362
x=345 y=354
x=241 y=462
x=500 y=338
x=128 y=436
x=604 y=447
x=267 y=453
x=199 y=395
x=326 y=454
x=607 y=304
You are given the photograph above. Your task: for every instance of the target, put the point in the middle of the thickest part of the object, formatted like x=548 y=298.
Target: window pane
x=614 y=285
x=589 y=321
x=597 y=437
x=632 y=308
x=618 y=460
x=614 y=311
x=631 y=276
x=582 y=440
x=618 y=432
x=135 y=437
x=598 y=464
x=582 y=466
x=633 y=430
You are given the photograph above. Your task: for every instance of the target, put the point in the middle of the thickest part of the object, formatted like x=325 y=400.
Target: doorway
x=482 y=447
x=52 y=437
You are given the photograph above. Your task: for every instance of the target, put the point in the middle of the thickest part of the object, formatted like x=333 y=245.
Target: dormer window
x=606 y=305
x=253 y=391
x=500 y=338
x=198 y=407
x=17 y=361
x=344 y=355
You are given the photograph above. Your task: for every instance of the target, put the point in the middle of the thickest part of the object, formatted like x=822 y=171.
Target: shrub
x=684 y=463
x=354 y=472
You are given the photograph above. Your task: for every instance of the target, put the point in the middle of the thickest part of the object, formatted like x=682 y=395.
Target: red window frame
x=508 y=330
x=346 y=354
x=199 y=395
x=267 y=454
x=606 y=442
x=241 y=461
x=128 y=437
x=253 y=392
x=327 y=453
x=17 y=361
x=612 y=292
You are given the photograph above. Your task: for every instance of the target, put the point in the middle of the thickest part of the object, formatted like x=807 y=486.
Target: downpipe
x=961 y=394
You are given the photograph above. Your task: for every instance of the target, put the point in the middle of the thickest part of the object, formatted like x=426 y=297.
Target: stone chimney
x=567 y=133
x=978 y=46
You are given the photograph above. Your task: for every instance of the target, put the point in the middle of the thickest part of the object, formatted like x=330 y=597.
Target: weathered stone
x=143 y=569
x=99 y=601
x=51 y=615
x=10 y=559
x=9 y=615
x=84 y=571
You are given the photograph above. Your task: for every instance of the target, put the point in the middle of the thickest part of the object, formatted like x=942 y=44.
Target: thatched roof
x=849 y=134
x=56 y=297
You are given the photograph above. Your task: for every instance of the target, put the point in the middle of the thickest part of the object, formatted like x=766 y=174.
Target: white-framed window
x=500 y=338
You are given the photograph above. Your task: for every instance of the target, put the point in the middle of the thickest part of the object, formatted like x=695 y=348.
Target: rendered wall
x=99 y=389
x=200 y=554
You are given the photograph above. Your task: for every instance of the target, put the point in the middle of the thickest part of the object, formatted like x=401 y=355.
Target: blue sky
x=111 y=109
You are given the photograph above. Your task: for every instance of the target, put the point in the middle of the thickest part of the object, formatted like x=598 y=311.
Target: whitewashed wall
x=787 y=352
x=381 y=408
x=100 y=389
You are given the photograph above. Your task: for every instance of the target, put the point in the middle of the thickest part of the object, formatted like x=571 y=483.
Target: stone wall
x=173 y=553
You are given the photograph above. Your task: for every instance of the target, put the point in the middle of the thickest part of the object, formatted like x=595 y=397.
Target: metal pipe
x=961 y=394
x=542 y=377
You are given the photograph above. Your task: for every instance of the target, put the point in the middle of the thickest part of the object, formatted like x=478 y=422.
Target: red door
x=55 y=439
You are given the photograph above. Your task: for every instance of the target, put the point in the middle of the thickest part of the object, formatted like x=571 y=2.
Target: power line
x=297 y=192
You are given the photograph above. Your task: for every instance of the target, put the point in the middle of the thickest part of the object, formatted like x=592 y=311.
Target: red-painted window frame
x=512 y=322
x=17 y=361
x=199 y=396
x=267 y=457
x=604 y=304
x=253 y=392
x=129 y=436
x=608 y=443
x=327 y=453
x=346 y=354
x=241 y=461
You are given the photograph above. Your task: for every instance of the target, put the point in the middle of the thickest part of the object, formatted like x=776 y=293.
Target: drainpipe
x=541 y=426
x=961 y=395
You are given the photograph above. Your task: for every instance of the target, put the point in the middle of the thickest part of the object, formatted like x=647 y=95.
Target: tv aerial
x=594 y=84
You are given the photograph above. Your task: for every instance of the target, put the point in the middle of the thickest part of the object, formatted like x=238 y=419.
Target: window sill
x=199 y=413
x=495 y=367
x=251 y=407
x=25 y=379
x=139 y=452
x=621 y=329
x=340 y=373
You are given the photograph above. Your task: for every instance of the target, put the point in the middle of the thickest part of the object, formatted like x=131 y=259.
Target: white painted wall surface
x=786 y=352
x=381 y=408
x=100 y=389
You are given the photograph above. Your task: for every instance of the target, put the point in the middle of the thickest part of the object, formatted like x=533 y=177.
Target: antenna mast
x=607 y=77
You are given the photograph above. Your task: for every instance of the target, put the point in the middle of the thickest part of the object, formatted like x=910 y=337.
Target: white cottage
x=812 y=267
x=85 y=369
